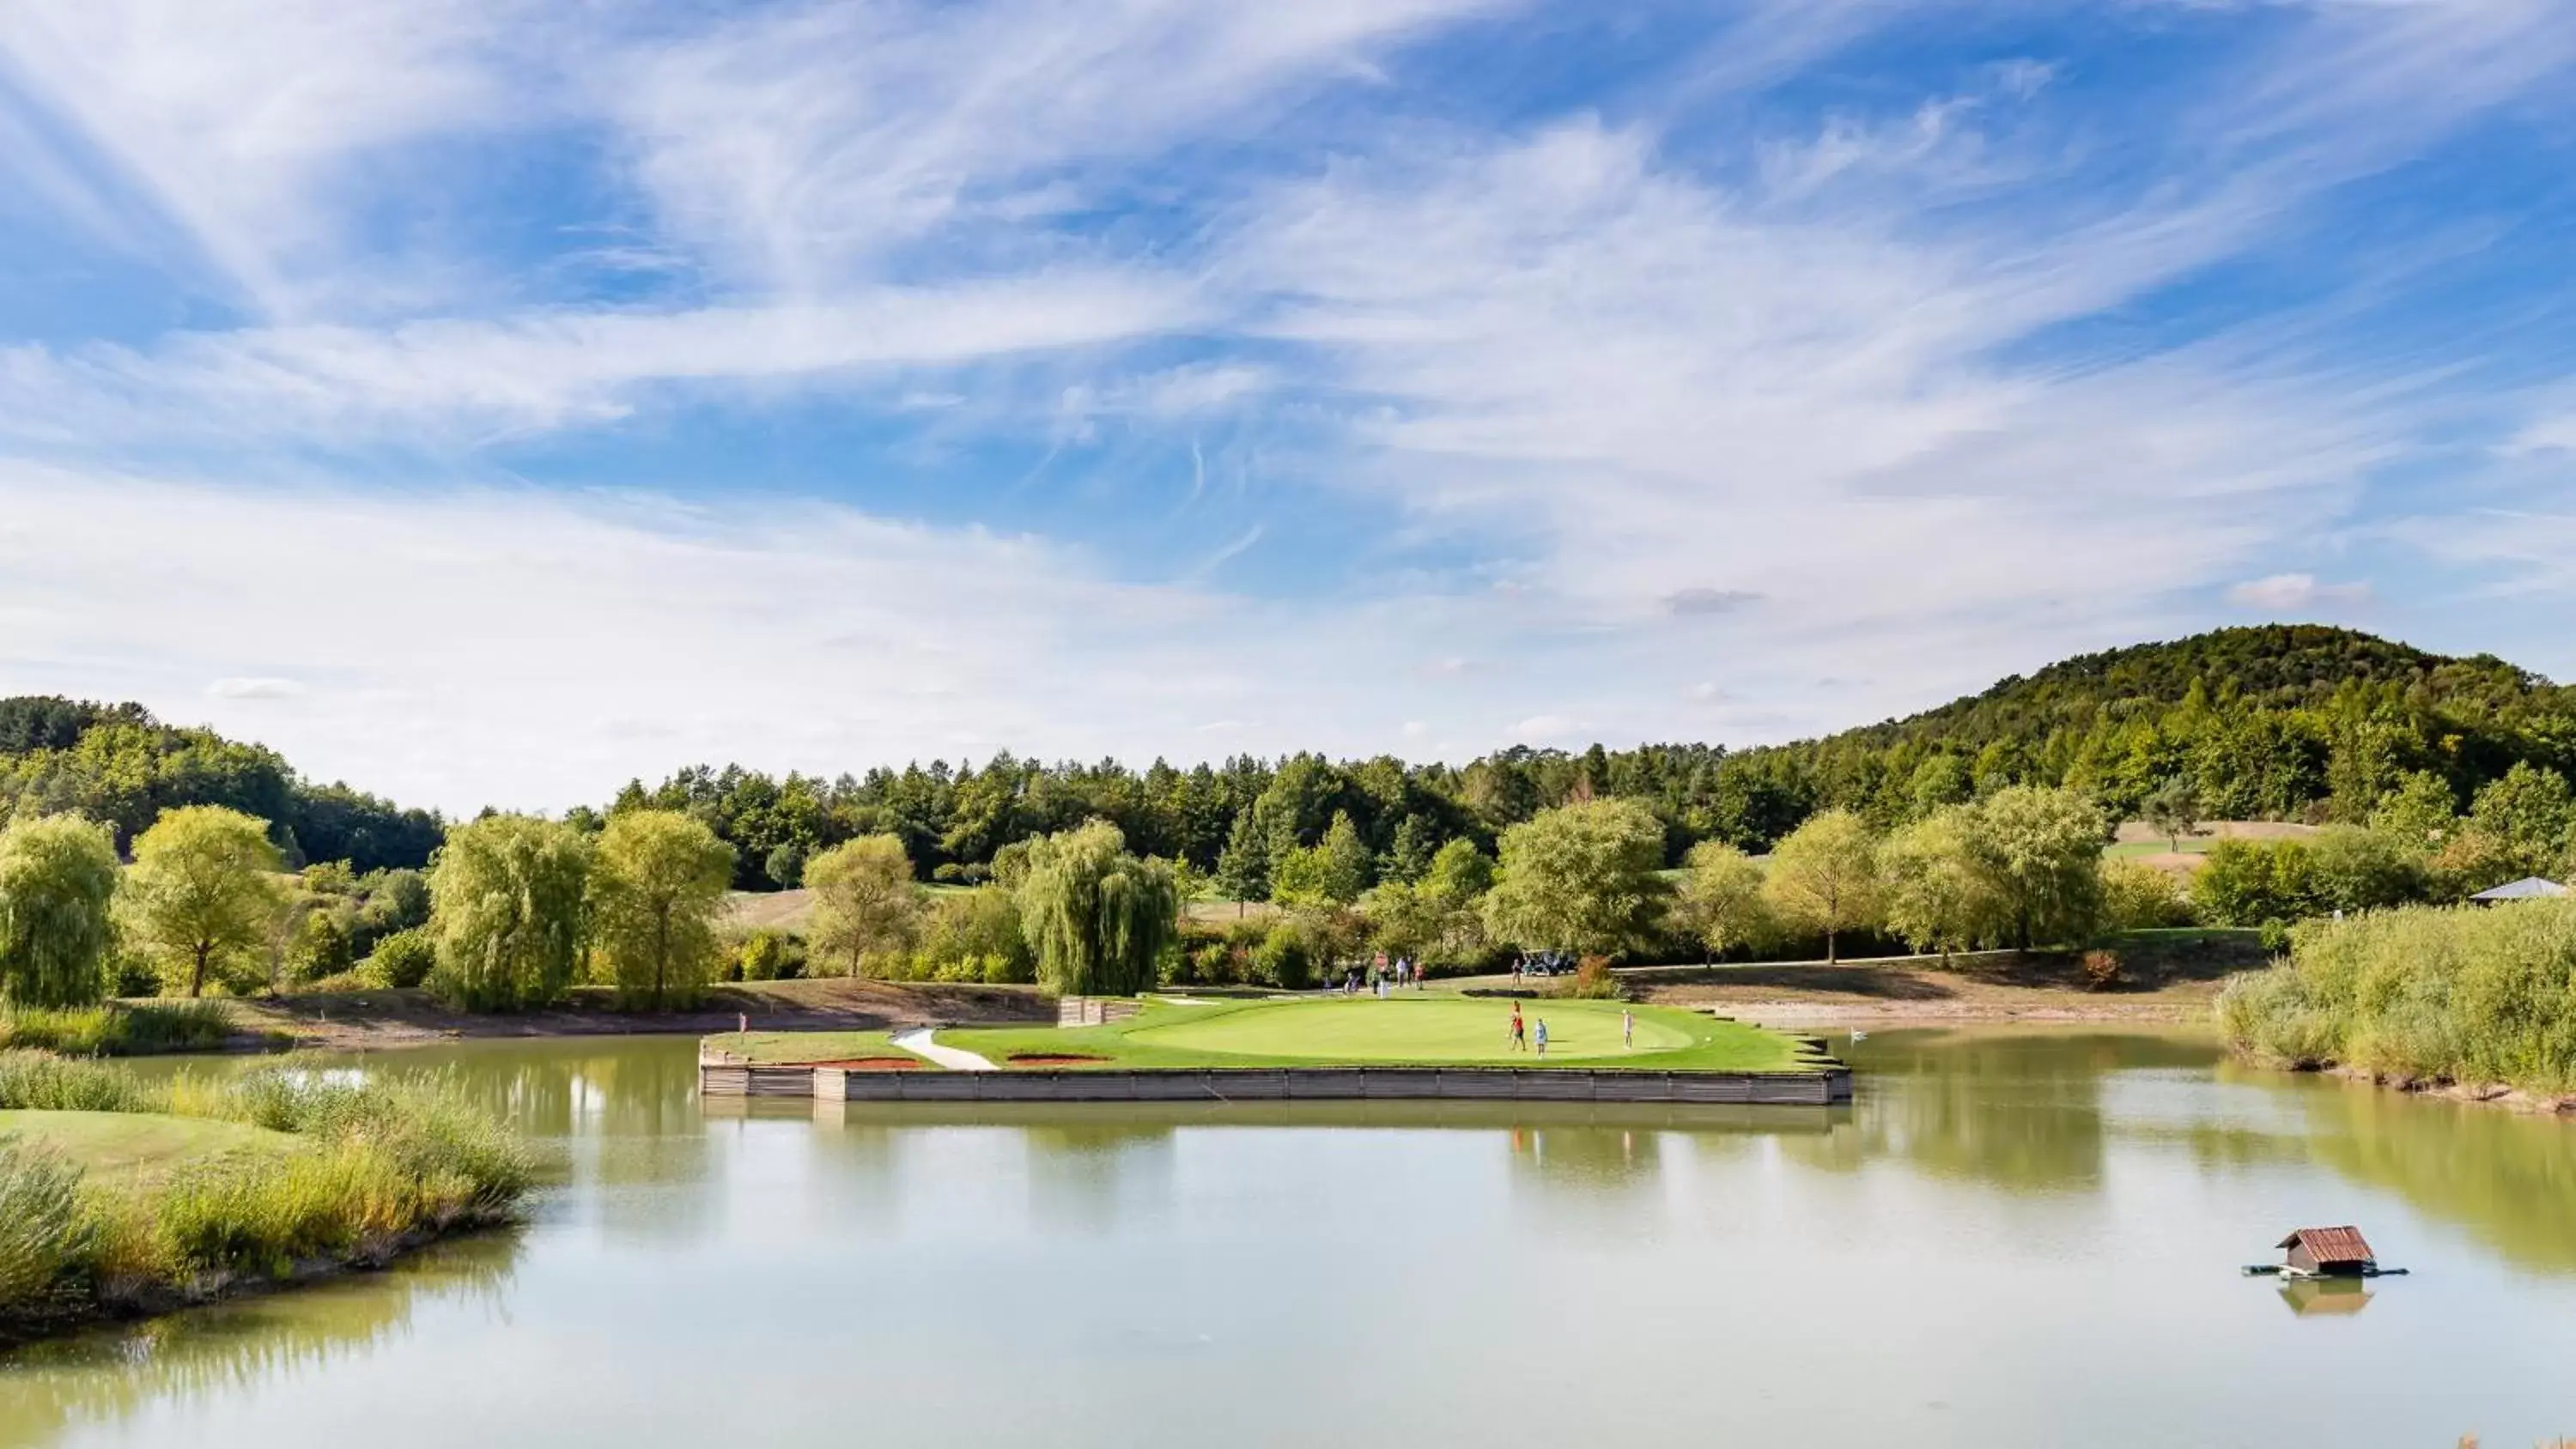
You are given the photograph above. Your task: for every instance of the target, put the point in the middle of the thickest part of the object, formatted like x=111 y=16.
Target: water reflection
x=111 y=1373
x=2327 y=1297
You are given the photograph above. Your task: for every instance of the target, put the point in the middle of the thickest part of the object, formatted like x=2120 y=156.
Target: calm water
x=2011 y=1238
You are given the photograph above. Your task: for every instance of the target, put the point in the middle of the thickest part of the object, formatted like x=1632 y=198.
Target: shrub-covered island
x=121 y=1197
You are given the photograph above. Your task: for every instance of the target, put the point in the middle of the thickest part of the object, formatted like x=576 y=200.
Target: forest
x=2286 y=722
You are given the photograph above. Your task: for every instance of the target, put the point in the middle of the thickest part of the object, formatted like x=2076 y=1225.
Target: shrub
x=2443 y=993
x=135 y=975
x=136 y=1030
x=1593 y=981
x=766 y=955
x=2248 y=882
x=2138 y=897
x=46 y=1240
x=2099 y=970
x=403 y=959
x=1281 y=959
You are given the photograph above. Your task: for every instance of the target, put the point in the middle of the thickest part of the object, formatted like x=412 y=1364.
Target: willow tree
x=1097 y=916
x=204 y=895
x=57 y=886
x=506 y=895
x=866 y=905
x=1720 y=900
x=1940 y=885
x=656 y=885
x=1824 y=877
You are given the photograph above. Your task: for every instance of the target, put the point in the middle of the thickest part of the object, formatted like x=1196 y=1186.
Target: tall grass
x=384 y=1165
x=2436 y=993
x=117 y=1030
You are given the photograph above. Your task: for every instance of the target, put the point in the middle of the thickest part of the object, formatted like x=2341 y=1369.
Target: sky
x=487 y=401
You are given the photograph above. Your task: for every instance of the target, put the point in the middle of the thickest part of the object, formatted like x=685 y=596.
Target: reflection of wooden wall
x=1257 y=1084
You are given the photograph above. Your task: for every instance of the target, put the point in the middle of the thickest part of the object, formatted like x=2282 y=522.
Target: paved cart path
x=949 y=1057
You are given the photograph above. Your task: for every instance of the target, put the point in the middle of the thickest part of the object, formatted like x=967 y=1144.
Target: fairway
x=1438 y=1029
x=139 y=1144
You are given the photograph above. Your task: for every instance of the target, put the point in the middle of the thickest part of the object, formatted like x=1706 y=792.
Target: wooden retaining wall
x=1093 y=1010
x=1261 y=1084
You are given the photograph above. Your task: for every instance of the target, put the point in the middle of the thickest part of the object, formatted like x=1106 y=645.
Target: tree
x=1942 y=888
x=2138 y=897
x=2044 y=848
x=1097 y=916
x=1243 y=867
x=1824 y=877
x=1720 y=902
x=1460 y=873
x=204 y=893
x=57 y=890
x=2420 y=813
x=865 y=903
x=2531 y=811
x=1409 y=855
x=2353 y=869
x=657 y=884
x=1346 y=860
x=1580 y=876
x=2251 y=882
x=506 y=909
x=2173 y=810
x=785 y=866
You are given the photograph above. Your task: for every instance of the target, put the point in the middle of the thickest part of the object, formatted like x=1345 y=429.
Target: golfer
x=1627 y=1027
x=1519 y=1040
x=1540 y=1036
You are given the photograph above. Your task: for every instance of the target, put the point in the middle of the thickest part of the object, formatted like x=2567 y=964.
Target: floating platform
x=1826 y=1086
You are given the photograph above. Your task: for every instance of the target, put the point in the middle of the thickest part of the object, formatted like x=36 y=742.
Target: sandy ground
x=363 y=1020
x=2173 y=981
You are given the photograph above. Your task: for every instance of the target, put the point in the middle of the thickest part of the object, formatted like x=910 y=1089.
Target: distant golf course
x=1356 y=1031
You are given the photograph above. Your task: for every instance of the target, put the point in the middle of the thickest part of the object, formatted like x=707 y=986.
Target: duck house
x=2328 y=1253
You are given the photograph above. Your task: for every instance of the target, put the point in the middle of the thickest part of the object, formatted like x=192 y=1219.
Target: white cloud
x=238 y=687
x=2288 y=593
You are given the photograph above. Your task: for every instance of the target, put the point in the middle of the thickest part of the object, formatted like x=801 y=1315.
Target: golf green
x=1437 y=1029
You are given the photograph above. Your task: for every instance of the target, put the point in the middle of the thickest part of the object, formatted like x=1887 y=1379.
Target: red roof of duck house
x=2332 y=1245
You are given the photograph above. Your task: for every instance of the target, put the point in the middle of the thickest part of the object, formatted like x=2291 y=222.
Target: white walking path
x=918 y=1041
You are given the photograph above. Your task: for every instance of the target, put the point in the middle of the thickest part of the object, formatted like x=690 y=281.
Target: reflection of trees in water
x=108 y=1374
x=2020 y=1111
x=2508 y=1178
x=1086 y=1173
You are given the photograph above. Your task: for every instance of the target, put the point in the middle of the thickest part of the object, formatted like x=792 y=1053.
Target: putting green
x=1412 y=1029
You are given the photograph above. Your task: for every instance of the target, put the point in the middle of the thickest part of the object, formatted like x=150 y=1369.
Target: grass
x=2190 y=845
x=811 y=1046
x=120 y=1196
x=1420 y=1030
x=117 y=1029
x=140 y=1145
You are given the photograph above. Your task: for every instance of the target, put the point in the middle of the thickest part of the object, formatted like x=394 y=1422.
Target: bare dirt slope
x=2173 y=977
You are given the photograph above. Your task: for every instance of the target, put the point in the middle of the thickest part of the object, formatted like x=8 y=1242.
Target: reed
x=116 y=1030
x=2449 y=994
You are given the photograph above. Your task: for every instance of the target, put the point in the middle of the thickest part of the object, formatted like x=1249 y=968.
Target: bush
x=766 y=955
x=403 y=959
x=1282 y=960
x=2436 y=993
x=135 y=975
x=2139 y=897
x=92 y=1031
x=2248 y=882
x=1593 y=981
x=46 y=1240
x=2099 y=970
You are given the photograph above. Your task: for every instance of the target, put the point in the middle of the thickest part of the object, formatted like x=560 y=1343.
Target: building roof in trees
x=2529 y=888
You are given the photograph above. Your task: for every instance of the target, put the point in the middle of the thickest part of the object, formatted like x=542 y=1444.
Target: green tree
x=204 y=894
x=1720 y=901
x=785 y=866
x=2531 y=811
x=1243 y=867
x=506 y=909
x=1580 y=876
x=1824 y=878
x=865 y=903
x=2353 y=869
x=321 y=945
x=657 y=884
x=1941 y=779
x=1346 y=859
x=1943 y=890
x=2138 y=897
x=2250 y=882
x=2173 y=810
x=1097 y=916
x=1460 y=873
x=1409 y=855
x=2044 y=848
x=2420 y=813
x=58 y=878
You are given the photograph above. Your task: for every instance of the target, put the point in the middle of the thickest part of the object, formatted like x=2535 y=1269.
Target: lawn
x=140 y=1145
x=812 y=1046
x=1414 y=1030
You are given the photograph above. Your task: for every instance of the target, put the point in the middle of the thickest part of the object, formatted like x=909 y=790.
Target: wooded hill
x=2293 y=722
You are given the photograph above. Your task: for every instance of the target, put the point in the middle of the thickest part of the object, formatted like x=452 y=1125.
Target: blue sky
x=487 y=400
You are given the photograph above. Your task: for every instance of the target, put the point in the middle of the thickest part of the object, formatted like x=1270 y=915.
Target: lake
x=2013 y=1236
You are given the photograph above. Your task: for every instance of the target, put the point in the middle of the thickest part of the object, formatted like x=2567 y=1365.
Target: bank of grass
x=784 y=1047
x=2435 y=994
x=120 y=1197
x=117 y=1029
x=1422 y=1030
